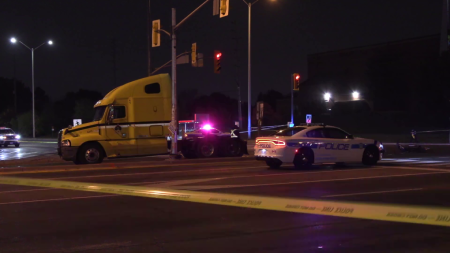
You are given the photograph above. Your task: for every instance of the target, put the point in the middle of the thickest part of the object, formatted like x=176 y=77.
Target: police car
x=306 y=145
x=8 y=137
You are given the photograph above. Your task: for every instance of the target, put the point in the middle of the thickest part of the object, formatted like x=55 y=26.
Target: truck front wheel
x=90 y=153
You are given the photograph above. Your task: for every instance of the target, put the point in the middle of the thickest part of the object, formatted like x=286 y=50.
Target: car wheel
x=90 y=153
x=206 y=149
x=370 y=155
x=274 y=163
x=17 y=145
x=5 y=145
x=304 y=158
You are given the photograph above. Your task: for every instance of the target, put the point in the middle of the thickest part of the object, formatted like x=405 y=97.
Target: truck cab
x=131 y=120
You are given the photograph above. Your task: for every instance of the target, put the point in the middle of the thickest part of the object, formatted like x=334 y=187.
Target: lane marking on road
x=209 y=187
x=116 y=168
x=58 y=199
x=417 y=168
x=368 y=193
x=385 y=212
x=229 y=168
x=53 y=142
x=161 y=172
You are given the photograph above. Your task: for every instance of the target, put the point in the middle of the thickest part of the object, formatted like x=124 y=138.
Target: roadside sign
x=308 y=118
x=77 y=122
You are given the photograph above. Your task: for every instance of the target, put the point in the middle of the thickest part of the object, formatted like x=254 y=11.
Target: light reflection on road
x=15 y=153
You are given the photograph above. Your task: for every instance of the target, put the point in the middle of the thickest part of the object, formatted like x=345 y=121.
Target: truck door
x=117 y=132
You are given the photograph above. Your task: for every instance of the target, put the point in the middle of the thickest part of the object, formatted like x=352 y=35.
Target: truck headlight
x=65 y=143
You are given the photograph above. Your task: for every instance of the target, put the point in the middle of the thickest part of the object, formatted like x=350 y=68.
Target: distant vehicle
x=8 y=137
x=316 y=144
x=210 y=142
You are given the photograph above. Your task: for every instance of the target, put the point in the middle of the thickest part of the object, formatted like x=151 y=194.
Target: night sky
x=284 y=33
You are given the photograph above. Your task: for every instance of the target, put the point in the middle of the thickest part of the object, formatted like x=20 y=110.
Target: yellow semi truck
x=133 y=120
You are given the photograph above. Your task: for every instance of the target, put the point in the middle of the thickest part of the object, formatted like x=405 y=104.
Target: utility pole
x=15 y=87
x=149 y=40
x=445 y=27
x=236 y=50
x=174 y=85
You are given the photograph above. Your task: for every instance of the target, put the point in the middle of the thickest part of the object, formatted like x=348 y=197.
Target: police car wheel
x=370 y=155
x=5 y=145
x=274 y=163
x=304 y=158
x=206 y=149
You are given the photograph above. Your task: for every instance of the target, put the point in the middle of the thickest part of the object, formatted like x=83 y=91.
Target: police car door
x=338 y=144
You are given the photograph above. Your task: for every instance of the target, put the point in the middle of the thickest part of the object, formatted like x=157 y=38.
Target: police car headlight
x=17 y=136
x=65 y=143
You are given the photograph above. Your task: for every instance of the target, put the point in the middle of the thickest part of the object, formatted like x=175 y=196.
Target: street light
x=327 y=97
x=14 y=41
x=249 y=106
x=355 y=95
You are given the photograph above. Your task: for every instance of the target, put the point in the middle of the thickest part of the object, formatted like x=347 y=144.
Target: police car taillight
x=279 y=143
x=274 y=142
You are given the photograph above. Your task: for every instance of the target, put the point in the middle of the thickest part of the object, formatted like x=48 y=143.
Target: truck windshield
x=99 y=111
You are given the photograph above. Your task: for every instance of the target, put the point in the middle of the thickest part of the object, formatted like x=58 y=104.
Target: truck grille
x=12 y=137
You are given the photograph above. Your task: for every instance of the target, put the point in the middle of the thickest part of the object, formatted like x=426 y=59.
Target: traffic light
x=217 y=57
x=296 y=81
x=224 y=6
x=156 y=36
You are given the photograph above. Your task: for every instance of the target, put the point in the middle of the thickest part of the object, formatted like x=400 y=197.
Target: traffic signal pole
x=292 y=100
x=174 y=122
x=174 y=85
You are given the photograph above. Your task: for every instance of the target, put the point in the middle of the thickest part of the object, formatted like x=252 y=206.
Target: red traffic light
x=297 y=77
x=218 y=55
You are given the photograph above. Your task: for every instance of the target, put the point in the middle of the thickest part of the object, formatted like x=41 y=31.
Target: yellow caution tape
x=398 y=213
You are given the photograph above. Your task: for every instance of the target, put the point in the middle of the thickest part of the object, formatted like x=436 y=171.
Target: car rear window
x=289 y=131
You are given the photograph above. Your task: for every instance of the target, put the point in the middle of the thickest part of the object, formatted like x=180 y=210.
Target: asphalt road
x=28 y=149
x=51 y=220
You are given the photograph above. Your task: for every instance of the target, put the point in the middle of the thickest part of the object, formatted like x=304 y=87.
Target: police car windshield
x=99 y=111
x=6 y=131
x=289 y=131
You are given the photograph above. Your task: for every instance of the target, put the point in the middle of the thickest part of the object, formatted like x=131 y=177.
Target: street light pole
x=14 y=40
x=249 y=80
x=32 y=91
